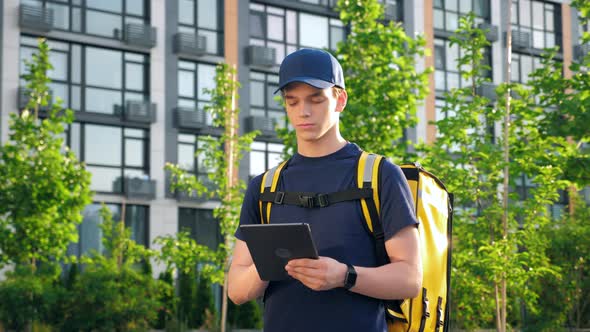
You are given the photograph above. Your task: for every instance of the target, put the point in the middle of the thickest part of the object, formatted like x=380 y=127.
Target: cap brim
x=316 y=83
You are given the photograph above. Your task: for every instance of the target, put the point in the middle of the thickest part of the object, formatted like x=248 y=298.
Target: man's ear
x=341 y=101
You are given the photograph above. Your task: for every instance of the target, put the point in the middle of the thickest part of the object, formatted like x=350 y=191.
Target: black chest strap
x=315 y=200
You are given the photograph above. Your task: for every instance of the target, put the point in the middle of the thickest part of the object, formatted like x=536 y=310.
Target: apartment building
x=134 y=72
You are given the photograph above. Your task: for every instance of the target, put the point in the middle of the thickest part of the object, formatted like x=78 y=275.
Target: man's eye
x=318 y=100
x=292 y=103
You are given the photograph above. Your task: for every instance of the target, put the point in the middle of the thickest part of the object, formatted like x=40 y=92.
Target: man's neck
x=320 y=148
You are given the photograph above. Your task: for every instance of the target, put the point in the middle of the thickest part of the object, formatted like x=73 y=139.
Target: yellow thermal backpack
x=434 y=205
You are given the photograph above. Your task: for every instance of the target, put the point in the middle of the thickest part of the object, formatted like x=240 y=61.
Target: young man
x=317 y=298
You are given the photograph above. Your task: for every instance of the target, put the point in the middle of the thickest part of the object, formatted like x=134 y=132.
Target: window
x=96 y=17
x=193 y=77
x=91 y=79
x=189 y=160
x=201 y=225
x=205 y=18
x=288 y=30
x=90 y=235
x=446 y=58
x=264 y=156
x=262 y=98
x=110 y=153
x=542 y=20
x=447 y=12
x=522 y=66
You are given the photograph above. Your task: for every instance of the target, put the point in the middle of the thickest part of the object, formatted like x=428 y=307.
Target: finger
x=306 y=262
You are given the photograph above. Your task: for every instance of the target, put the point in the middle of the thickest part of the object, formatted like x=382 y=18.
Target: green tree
x=499 y=250
x=112 y=293
x=44 y=187
x=569 y=307
x=568 y=98
x=384 y=88
x=44 y=190
x=221 y=155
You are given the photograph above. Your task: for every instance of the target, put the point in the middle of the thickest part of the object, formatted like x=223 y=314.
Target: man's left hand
x=318 y=274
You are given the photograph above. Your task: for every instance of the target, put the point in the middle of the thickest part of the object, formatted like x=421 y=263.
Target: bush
x=245 y=316
x=108 y=299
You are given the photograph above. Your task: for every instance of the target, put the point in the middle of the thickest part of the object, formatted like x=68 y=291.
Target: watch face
x=350 y=279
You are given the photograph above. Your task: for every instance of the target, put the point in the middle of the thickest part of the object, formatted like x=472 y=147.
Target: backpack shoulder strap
x=269 y=183
x=368 y=177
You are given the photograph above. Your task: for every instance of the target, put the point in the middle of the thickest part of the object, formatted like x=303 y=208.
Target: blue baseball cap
x=317 y=68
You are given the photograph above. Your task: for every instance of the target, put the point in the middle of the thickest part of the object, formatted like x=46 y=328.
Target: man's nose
x=305 y=109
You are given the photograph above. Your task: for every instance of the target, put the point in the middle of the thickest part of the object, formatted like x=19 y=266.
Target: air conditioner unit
x=138 y=35
x=189 y=43
x=580 y=51
x=265 y=125
x=390 y=10
x=36 y=17
x=140 y=111
x=188 y=118
x=139 y=188
x=261 y=56
x=521 y=39
x=488 y=90
x=490 y=30
x=24 y=95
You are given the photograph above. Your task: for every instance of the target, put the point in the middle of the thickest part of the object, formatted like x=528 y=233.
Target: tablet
x=273 y=245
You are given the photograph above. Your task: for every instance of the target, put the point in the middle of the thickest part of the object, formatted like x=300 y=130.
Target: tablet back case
x=273 y=245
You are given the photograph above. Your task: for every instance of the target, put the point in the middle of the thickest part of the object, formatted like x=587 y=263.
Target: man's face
x=313 y=112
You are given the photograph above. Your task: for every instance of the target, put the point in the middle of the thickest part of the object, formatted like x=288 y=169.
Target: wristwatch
x=350 y=278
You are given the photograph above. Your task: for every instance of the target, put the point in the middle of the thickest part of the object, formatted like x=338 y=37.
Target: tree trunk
x=502 y=319
x=232 y=176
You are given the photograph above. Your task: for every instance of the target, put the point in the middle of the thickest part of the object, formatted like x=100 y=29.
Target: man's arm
x=244 y=283
x=400 y=279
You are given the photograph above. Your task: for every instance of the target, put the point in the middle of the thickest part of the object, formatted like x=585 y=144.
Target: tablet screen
x=273 y=245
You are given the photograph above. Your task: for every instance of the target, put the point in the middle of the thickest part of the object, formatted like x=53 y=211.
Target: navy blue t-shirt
x=338 y=232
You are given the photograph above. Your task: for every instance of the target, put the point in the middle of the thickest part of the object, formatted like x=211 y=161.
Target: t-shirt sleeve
x=397 y=204
x=250 y=213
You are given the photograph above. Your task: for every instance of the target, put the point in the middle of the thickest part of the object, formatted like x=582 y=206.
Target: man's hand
x=318 y=274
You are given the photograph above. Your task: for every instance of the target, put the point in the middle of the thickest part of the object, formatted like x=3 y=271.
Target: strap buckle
x=379 y=235
x=306 y=201
x=323 y=200
x=279 y=197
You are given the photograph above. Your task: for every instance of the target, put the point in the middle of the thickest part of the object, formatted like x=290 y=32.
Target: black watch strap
x=350 y=279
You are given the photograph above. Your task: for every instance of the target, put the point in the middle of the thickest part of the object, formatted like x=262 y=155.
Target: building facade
x=134 y=73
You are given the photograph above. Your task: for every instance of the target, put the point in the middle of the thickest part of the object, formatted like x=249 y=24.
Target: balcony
x=189 y=44
x=261 y=56
x=36 y=18
x=140 y=111
x=138 y=35
x=188 y=118
x=265 y=125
